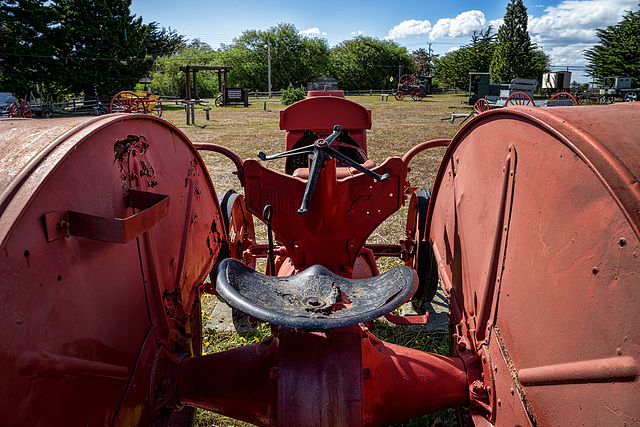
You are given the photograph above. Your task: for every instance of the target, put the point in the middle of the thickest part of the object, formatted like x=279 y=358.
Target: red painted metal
x=108 y=226
x=538 y=251
x=318 y=114
x=344 y=212
x=341 y=377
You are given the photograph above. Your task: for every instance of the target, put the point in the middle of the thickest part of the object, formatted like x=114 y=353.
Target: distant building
x=322 y=83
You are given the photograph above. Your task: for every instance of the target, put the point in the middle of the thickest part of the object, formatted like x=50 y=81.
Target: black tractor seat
x=315 y=298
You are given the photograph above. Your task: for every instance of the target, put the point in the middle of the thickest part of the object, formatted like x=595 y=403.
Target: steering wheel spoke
x=320 y=151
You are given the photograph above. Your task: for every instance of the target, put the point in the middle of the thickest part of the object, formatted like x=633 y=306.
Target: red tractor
x=110 y=225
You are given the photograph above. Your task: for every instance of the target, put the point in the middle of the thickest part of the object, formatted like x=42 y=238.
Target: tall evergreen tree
x=424 y=62
x=618 y=53
x=28 y=31
x=95 y=47
x=514 y=51
x=453 y=69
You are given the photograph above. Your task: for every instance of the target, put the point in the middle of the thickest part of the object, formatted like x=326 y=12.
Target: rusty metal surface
x=534 y=220
x=83 y=320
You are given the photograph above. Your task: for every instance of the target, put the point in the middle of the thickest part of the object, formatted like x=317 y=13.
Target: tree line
x=97 y=48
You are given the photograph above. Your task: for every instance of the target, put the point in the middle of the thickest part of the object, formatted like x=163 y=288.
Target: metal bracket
x=154 y=207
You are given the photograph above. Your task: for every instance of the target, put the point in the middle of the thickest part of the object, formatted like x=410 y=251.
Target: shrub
x=291 y=95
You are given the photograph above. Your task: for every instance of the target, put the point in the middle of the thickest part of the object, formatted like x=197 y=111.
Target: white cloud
x=357 y=33
x=563 y=31
x=566 y=30
x=312 y=32
x=411 y=27
x=461 y=26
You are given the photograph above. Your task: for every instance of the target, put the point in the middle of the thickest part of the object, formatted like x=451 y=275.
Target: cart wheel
x=563 y=96
x=218 y=101
x=399 y=95
x=238 y=223
x=423 y=260
x=127 y=102
x=417 y=94
x=14 y=111
x=26 y=109
x=631 y=97
x=519 y=98
x=406 y=81
x=155 y=108
x=46 y=112
x=480 y=106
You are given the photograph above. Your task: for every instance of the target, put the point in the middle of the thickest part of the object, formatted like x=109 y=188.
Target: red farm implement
x=136 y=102
x=415 y=87
x=109 y=226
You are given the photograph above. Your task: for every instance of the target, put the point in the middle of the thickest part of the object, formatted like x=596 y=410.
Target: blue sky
x=563 y=28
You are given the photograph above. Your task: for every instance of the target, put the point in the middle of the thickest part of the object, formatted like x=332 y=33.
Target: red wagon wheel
x=417 y=94
x=480 y=106
x=519 y=98
x=26 y=109
x=399 y=95
x=127 y=102
x=14 y=110
x=564 y=96
x=406 y=82
x=155 y=107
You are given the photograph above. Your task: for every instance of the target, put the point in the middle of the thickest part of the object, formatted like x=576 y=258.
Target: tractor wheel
x=631 y=97
x=406 y=81
x=399 y=95
x=218 y=101
x=26 y=109
x=238 y=224
x=417 y=94
x=423 y=260
x=563 y=96
x=519 y=98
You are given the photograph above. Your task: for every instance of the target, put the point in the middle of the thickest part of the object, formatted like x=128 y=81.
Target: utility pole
x=269 y=63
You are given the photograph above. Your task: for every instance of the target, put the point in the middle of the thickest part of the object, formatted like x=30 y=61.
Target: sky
x=562 y=28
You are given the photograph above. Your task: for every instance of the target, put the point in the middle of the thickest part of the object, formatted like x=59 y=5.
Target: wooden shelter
x=222 y=72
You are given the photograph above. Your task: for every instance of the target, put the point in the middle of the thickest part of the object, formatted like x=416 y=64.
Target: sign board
x=236 y=95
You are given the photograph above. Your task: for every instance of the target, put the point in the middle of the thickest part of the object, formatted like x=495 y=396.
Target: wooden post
x=186 y=72
x=195 y=85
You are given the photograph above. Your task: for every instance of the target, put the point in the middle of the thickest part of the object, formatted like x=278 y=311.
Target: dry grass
x=396 y=128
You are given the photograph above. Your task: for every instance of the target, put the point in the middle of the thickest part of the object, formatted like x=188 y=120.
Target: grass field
x=396 y=128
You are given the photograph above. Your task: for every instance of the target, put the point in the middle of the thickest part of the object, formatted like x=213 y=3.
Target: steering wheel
x=321 y=151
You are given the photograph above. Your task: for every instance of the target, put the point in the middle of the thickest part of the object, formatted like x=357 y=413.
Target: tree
x=94 y=47
x=618 y=52
x=453 y=69
x=105 y=48
x=168 y=79
x=366 y=62
x=424 y=62
x=28 y=30
x=295 y=59
x=514 y=55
